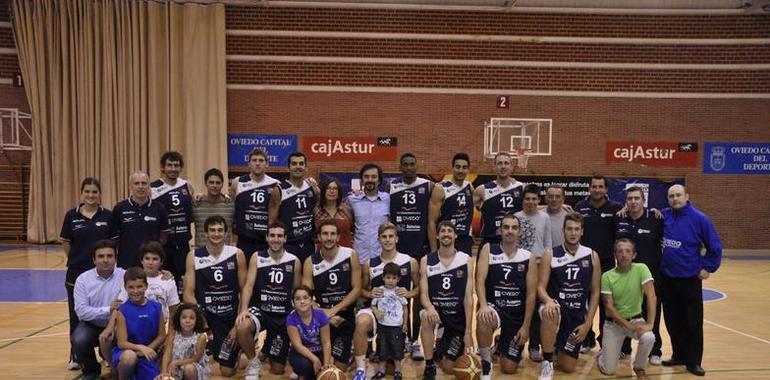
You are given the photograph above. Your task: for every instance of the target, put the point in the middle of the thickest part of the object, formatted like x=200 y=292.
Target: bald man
x=138 y=219
x=683 y=268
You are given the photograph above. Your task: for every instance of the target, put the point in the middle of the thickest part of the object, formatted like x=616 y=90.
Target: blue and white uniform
x=498 y=201
x=178 y=203
x=409 y=212
x=296 y=213
x=332 y=282
x=506 y=293
x=252 y=205
x=457 y=207
x=446 y=292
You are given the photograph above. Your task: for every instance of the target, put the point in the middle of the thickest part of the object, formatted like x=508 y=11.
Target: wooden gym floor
x=34 y=325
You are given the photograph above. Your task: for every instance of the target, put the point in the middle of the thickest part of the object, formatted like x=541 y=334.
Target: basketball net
x=522 y=158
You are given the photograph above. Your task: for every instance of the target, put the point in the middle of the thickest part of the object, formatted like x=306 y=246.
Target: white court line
x=34 y=336
x=737 y=332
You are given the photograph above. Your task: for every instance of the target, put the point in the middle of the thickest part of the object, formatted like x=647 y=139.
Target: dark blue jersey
x=446 y=287
x=332 y=280
x=252 y=203
x=506 y=282
x=599 y=229
x=135 y=224
x=497 y=202
x=178 y=203
x=457 y=206
x=376 y=266
x=571 y=277
x=275 y=282
x=409 y=212
x=647 y=234
x=216 y=281
x=82 y=232
x=296 y=211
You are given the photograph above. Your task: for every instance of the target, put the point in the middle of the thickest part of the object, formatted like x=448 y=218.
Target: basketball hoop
x=522 y=157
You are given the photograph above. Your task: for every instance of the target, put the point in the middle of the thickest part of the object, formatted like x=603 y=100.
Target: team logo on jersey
x=230 y=265
x=643 y=231
x=459 y=274
x=584 y=263
x=522 y=267
x=289 y=268
x=100 y=224
x=421 y=190
x=148 y=218
x=403 y=271
x=345 y=267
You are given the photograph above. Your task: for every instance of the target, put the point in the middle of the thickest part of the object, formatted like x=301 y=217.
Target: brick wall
x=434 y=127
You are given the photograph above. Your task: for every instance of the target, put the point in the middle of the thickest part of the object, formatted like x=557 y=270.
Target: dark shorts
x=342 y=339
x=506 y=345
x=301 y=249
x=220 y=327
x=276 y=345
x=390 y=342
x=176 y=259
x=570 y=320
x=249 y=246
x=452 y=343
x=302 y=366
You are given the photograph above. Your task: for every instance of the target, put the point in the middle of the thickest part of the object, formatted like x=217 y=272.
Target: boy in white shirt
x=390 y=310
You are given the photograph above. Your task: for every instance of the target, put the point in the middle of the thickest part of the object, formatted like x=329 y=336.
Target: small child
x=184 y=356
x=391 y=313
x=160 y=289
x=140 y=331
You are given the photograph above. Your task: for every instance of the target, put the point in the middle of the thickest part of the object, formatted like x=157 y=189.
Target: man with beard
x=497 y=198
x=598 y=213
x=176 y=196
x=266 y=302
x=334 y=275
x=452 y=200
x=298 y=199
x=257 y=199
x=370 y=209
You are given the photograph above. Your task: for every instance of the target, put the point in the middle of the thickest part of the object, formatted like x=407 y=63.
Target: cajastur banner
x=675 y=154
x=350 y=148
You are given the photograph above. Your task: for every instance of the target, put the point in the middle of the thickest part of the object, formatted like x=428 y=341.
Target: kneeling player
x=446 y=292
x=569 y=278
x=266 y=302
x=506 y=285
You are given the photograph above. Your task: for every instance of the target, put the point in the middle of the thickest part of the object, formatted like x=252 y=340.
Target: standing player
x=372 y=270
x=497 y=198
x=645 y=230
x=569 y=279
x=506 y=285
x=138 y=219
x=176 y=196
x=598 y=213
x=257 y=198
x=446 y=291
x=266 y=302
x=409 y=198
x=452 y=200
x=218 y=275
x=334 y=274
x=298 y=198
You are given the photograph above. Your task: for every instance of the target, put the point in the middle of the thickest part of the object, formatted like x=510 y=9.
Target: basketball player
x=408 y=287
x=569 y=279
x=257 y=199
x=298 y=198
x=334 y=273
x=266 y=302
x=506 y=285
x=176 y=196
x=497 y=198
x=409 y=198
x=446 y=291
x=451 y=200
x=219 y=273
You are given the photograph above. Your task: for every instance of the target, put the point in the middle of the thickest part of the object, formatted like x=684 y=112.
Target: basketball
x=467 y=367
x=333 y=373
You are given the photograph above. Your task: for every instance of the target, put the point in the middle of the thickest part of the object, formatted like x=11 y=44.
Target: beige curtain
x=112 y=84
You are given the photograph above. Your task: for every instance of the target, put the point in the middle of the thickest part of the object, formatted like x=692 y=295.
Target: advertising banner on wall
x=736 y=158
x=350 y=148
x=674 y=154
x=277 y=147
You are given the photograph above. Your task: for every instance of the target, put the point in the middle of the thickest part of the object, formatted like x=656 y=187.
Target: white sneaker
x=252 y=369
x=74 y=366
x=546 y=371
x=486 y=377
x=417 y=352
x=293 y=376
x=655 y=360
